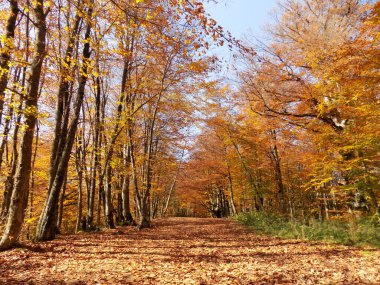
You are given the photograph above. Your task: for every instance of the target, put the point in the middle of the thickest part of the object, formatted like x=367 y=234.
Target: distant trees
x=118 y=76
x=318 y=84
x=303 y=134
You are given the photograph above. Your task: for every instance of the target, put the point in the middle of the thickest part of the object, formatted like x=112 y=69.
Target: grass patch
x=358 y=232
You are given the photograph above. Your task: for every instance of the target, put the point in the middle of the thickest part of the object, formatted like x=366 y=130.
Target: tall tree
x=46 y=228
x=6 y=51
x=21 y=183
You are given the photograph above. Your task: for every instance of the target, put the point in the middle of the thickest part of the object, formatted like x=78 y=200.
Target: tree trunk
x=8 y=120
x=144 y=221
x=126 y=207
x=78 y=165
x=119 y=210
x=172 y=186
x=230 y=187
x=155 y=203
x=61 y=205
x=63 y=106
x=110 y=152
x=32 y=184
x=9 y=182
x=21 y=185
x=5 y=54
x=46 y=228
x=134 y=170
x=259 y=200
x=95 y=167
x=278 y=175
x=10 y=178
x=108 y=208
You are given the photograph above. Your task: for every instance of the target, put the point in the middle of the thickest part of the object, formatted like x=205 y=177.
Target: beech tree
x=65 y=131
x=20 y=191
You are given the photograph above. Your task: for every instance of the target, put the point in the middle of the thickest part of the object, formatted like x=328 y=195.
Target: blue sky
x=241 y=17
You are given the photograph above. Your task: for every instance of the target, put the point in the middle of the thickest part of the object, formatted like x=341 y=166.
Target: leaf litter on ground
x=187 y=251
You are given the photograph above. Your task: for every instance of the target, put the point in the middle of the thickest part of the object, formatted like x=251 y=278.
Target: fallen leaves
x=187 y=251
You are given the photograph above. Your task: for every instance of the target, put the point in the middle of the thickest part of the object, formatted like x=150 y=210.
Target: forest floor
x=187 y=251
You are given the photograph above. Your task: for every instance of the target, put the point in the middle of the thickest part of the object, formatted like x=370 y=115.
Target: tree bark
x=10 y=178
x=172 y=186
x=61 y=205
x=46 y=229
x=110 y=152
x=108 y=207
x=8 y=120
x=5 y=55
x=259 y=203
x=63 y=105
x=278 y=174
x=231 y=190
x=78 y=166
x=9 y=182
x=21 y=185
x=126 y=207
x=95 y=166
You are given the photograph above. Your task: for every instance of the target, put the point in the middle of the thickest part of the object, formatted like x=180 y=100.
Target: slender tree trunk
x=168 y=198
x=79 y=170
x=155 y=202
x=96 y=160
x=108 y=207
x=32 y=183
x=126 y=207
x=10 y=178
x=370 y=191
x=231 y=190
x=46 y=228
x=326 y=206
x=148 y=171
x=134 y=170
x=259 y=203
x=21 y=185
x=9 y=182
x=278 y=174
x=8 y=120
x=100 y=201
x=63 y=103
x=6 y=51
x=110 y=152
x=172 y=186
x=144 y=221
x=61 y=205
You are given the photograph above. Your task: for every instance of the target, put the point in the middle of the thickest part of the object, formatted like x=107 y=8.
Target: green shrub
x=365 y=231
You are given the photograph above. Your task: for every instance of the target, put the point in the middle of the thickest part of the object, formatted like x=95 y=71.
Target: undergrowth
x=360 y=232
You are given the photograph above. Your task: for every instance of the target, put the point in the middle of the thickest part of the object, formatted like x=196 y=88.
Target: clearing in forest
x=187 y=251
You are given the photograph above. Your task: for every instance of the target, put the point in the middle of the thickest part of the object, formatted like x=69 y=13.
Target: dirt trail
x=187 y=251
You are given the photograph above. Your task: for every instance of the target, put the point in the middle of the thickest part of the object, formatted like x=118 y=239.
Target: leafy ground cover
x=187 y=251
x=360 y=232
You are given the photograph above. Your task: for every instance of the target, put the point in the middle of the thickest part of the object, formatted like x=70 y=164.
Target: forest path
x=187 y=251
